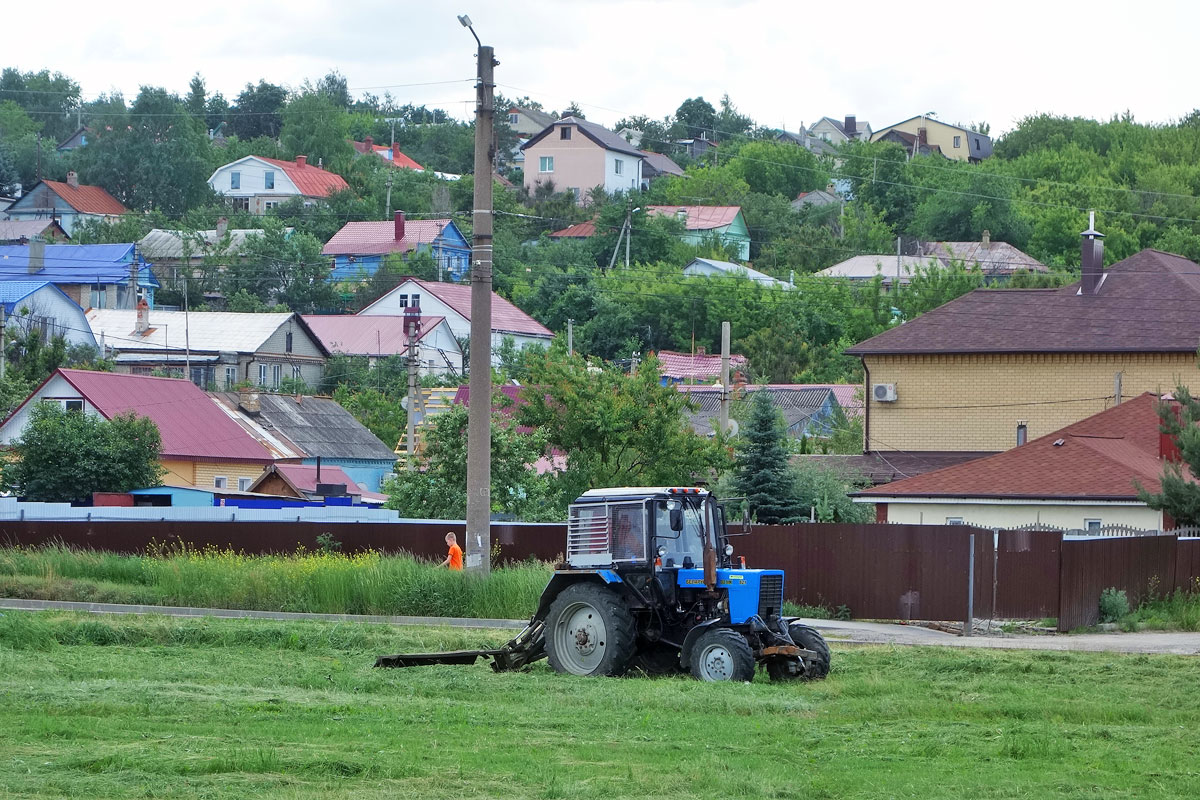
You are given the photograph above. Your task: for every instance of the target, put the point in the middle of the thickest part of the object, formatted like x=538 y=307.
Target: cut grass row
x=151 y=706
x=314 y=582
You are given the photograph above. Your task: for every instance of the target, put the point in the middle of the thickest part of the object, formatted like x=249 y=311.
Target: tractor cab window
x=681 y=546
x=628 y=533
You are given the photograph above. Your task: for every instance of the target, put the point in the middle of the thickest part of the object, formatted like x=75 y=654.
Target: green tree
x=257 y=110
x=278 y=266
x=436 y=488
x=313 y=125
x=1180 y=494
x=695 y=118
x=761 y=472
x=65 y=456
x=196 y=100
x=50 y=98
x=824 y=493
x=777 y=168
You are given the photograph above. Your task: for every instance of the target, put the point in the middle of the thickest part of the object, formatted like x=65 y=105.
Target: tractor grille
x=770 y=595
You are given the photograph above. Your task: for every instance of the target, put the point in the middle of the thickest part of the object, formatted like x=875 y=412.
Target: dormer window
x=513 y=119
x=564 y=132
x=235 y=180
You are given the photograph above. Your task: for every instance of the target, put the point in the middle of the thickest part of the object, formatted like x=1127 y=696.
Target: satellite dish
x=733 y=428
x=404 y=403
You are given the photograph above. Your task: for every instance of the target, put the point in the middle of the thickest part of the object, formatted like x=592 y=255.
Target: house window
x=99 y=297
x=977 y=144
x=239 y=203
x=262 y=374
x=220 y=482
x=1022 y=433
x=269 y=178
x=287 y=342
x=564 y=132
x=1092 y=525
x=954 y=520
x=404 y=301
x=244 y=484
x=73 y=405
x=958 y=141
x=276 y=375
x=416 y=301
x=235 y=180
x=618 y=166
x=512 y=119
x=574 y=190
x=297 y=374
x=230 y=377
x=546 y=164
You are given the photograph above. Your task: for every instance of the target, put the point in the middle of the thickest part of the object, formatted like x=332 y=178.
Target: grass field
x=160 y=707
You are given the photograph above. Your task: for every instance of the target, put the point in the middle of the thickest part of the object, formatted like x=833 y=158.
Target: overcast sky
x=782 y=63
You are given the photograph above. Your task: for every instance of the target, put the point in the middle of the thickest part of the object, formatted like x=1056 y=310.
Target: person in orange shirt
x=454 y=559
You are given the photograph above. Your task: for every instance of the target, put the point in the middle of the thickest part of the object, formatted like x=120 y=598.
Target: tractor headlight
x=728 y=549
x=662 y=551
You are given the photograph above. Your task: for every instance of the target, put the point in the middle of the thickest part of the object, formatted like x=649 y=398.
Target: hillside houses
x=68 y=202
x=259 y=184
x=359 y=248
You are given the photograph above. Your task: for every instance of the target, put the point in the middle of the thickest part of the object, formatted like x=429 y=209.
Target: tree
x=824 y=492
x=256 y=110
x=281 y=267
x=65 y=456
x=761 y=472
x=694 y=119
x=313 y=125
x=51 y=99
x=777 y=168
x=333 y=88
x=1180 y=494
x=435 y=488
x=196 y=101
x=573 y=110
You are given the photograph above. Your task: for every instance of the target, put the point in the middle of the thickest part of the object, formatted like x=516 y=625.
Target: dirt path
x=835 y=630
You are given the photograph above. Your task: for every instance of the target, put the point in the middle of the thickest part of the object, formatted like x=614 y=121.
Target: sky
x=782 y=63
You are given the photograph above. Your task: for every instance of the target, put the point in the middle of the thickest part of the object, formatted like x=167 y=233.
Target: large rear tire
x=722 y=654
x=589 y=631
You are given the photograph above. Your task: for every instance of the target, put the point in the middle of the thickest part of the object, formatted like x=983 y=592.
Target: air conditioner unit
x=884 y=392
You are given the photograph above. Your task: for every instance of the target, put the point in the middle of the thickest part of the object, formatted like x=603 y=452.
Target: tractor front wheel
x=590 y=631
x=722 y=654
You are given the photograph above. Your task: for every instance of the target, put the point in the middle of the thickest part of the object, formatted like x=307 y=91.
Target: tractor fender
x=561 y=580
x=689 y=641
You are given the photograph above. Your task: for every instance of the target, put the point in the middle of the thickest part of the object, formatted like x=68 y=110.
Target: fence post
x=995 y=573
x=967 y=625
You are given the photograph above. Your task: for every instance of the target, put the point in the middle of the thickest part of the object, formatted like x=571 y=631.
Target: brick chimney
x=142 y=325
x=222 y=226
x=1091 y=261
x=922 y=137
x=399 y=225
x=301 y=160
x=985 y=241
x=73 y=179
x=248 y=401
x=851 y=125
x=412 y=322
x=369 y=141
x=37 y=256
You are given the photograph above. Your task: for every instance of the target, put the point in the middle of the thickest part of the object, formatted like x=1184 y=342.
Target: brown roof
x=1150 y=302
x=86 y=199
x=884 y=467
x=1101 y=457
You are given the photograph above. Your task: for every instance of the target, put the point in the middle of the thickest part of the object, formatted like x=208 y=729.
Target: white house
x=453 y=302
x=711 y=268
x=835 y=132
x=257 y=184
x=43 y=306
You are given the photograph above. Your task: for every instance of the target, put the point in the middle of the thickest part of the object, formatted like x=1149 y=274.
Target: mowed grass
x=162 y=707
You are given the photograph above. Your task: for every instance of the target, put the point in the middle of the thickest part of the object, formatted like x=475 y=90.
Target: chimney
x=1091 y=257
x=37 y=256
x=301 y=160
x=222 y=226
x=248 y=401
x=369 y=141
x=73 y=179
x=922 y=137
x=986 y=240
x=399 y=225
x=1168 y=447
x=851 y=125
x=143 y=318
x=700 y=350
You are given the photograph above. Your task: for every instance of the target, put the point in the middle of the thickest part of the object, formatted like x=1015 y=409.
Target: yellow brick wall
x=205 y=472
x=969 y=402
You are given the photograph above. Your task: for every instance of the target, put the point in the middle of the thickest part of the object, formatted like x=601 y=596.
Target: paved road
x=837 y=631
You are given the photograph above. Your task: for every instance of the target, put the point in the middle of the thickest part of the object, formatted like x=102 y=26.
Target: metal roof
x=208 y=331
x=86 y=199
x=15 y=291
x=506 y=318
x=317 y=426
x=370 y=238
x=734 y=271
x=597 y=133
x=867 y=267
x=12 y=230
x=190 y=425
x=370 y=335
x=160 y=243
x=75 y=263
x=699 y=218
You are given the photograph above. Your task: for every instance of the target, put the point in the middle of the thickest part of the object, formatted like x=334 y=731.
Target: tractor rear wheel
x=590 y=631
x=811 y=639
x=722 y=654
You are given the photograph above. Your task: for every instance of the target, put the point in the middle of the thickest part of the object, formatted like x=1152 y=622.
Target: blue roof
x=75 y=263
x=16 y=291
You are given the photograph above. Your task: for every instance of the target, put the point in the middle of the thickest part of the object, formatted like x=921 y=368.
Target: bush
x=1114 y=604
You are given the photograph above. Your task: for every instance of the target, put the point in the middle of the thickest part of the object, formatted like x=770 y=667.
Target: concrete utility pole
x=2 y=358
x=412 y=324
x=724 y=377
x=479 y=411
x=570 y=337
x=628 y=229
x=133 y=278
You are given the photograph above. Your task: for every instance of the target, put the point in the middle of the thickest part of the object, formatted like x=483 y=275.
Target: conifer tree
x=762 y=474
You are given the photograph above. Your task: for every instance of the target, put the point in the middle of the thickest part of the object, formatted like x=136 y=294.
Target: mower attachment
x=528 y=646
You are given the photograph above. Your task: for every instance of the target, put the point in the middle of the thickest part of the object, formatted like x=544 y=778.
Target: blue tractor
x=649 y=582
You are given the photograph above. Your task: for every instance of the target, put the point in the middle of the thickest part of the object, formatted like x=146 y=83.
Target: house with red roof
x=359 y=248
x=257 y=183
x=391 y=155
x=201 y=445
x=701 y=223
x=310 y=482
x=377 y=337
x=69 y=202
x=453 y=302
x=1080 y=477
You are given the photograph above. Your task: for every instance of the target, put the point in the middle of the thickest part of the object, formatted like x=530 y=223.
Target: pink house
x=576 y=155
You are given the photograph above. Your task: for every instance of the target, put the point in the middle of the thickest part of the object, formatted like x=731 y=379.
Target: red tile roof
x=371 y=238
x=1149 y=302
x=87 y=199
x=700 y=367
x=580 y=230
x=699 y=218
x=312 y=181
x=506 y=317
x=190 y=423
x=366 y=335
x=1100 y=457
x=401 y=161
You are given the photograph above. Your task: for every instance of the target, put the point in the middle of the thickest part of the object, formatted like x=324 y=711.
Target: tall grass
x=317 y=582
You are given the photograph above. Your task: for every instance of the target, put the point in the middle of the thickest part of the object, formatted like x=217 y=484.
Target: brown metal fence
x=908 y=572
